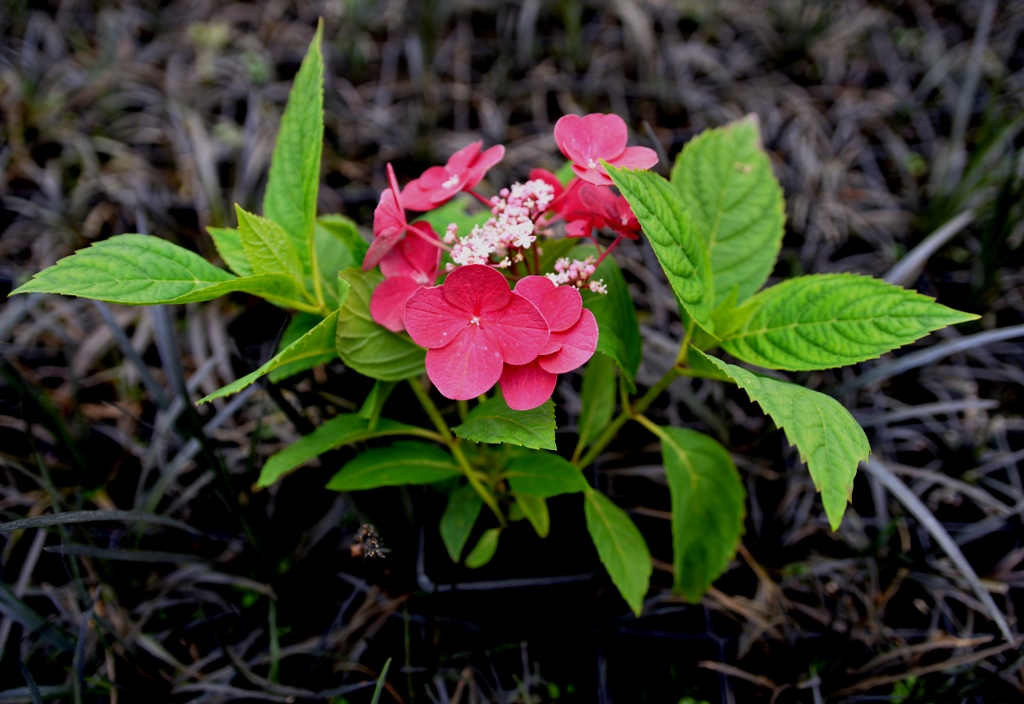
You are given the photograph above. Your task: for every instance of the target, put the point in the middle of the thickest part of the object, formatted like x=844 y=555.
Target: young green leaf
x=403 y=463
x=618 y=329
x=735 y=204
x=368 y=348
x=621 y=548
x=484 y=550
x=329 y=435
x=536 y=511
x=831 y=320
x=708 y=505
x=543 y=474
x=829 y=440
x=345 y=231
x=681 y=251
x=290 y=199
x=299 y=325
x=597 y=398
x=463 y=508
x=228 y=242
x=339 y=246
x=267 y=247
x=375 y=400
x=315 y=344
x=494 y=422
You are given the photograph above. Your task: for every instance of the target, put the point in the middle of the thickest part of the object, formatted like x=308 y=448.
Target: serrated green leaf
x=329 y=435
x=134 y=269
x=267 y=247
x=680 y=250
x=368 y=348
x=597 y=398
x=831 y=320
x=535 y=509
x=229 y=246
x=339 y=246
x=829 y=440
x=403 y=463
x=484 y=549
x=463 y=509
x=290 y=199
x=315 y=344
x=735 y=204
x=494 y=422
x=621 y=548
x=299 y=325
x=543 y=474
x=708 y=505
x=618 y=329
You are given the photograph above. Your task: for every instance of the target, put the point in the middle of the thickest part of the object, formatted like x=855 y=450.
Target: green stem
x=650 y=425
x=314 y=263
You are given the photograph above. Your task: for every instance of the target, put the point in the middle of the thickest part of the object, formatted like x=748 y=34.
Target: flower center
x=592 y=164
x=451 y=182
x=475 y=320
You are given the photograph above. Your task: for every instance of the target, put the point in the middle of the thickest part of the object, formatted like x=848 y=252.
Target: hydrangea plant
x=492 y=298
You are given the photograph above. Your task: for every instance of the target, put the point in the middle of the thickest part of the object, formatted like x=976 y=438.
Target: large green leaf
x=735 y=204
x=315 y=344
x=618 y=329
x=831 y=320
x=543 y=474
x=829 y=440
x=329 y=435
x=367 y=347
x=299 y=325
x=621 y=548
x=267 y=248
x=597 y=398
x=664 y=218
x=708 y=505
x=463 y=508
x=290 y=199
x=228 y=242
x=494 y=422
x=339 y=246
x=403 y=463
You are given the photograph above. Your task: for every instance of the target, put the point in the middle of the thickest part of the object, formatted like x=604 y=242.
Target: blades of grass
x=275 y=643
x=906 y=270
x=131 y=354
x=28 y=566
x=19 y=612
x=70 y=517
x=30 y=683
x=380 y=682
x=916 y=507
x=123 y=555
x=78 y=660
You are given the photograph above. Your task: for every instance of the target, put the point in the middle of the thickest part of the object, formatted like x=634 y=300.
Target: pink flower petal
x=608 y=136
x=561 y=308
x=550 y=179
x=526 y=386
x=461 y=161
x=534 y=288
x=465 y=368
x=416 y=197
x=476 y=289
x=573 y=138
x=599 y=201
x=634 y=158
x=423 y=257
x=487 y=159
x=387 y=304
x=579 y=228
x=431 y=320
x=578 y=345
x=597 y=176
x=518 y=329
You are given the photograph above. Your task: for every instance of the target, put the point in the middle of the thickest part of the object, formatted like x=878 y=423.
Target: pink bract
x=586 y=140
x=572 y=342
x=411 y=264
x=389 y=223
x=438 y=184
x=472 y=325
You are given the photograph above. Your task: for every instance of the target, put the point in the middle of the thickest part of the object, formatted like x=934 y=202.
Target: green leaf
x=618 y=329
x=267 y=247
x=374 y=402
x=463 y=508
x=543 y=474
x=315 y=344
x=329 y=435
x=536 y=511
x=299 y=325
x=368 y=348
x=597 y=398
x=345 y=231
x=229 y=246
x=494 y=422
x=621 y=548
x=708 y=505
x=484 y=550
x=339 y=246
x=829 y=440
x=735 y=204
x=290 y=199
x=403 y=463
x=553 y=250
x=831 y=320
x=677 y=245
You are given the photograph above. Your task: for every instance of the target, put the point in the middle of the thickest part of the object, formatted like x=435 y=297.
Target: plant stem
x=650 y=425
x=314 y=263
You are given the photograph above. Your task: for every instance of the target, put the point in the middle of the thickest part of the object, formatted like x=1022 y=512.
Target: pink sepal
x=578 y=344
x=526 y=386
x=465 y=368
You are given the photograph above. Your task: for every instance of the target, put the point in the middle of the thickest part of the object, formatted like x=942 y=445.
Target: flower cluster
x=478 y=331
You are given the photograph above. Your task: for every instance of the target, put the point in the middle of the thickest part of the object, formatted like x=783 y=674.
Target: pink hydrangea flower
x=586 y=140
x=572 y=342
x=438 y=184
x=411 y=264
x=389 y=223
x=472 y=325
x=588 y=207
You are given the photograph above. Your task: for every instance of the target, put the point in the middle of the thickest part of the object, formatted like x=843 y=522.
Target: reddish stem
x=480 y=198
x=606 y=252
x=423 y=235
